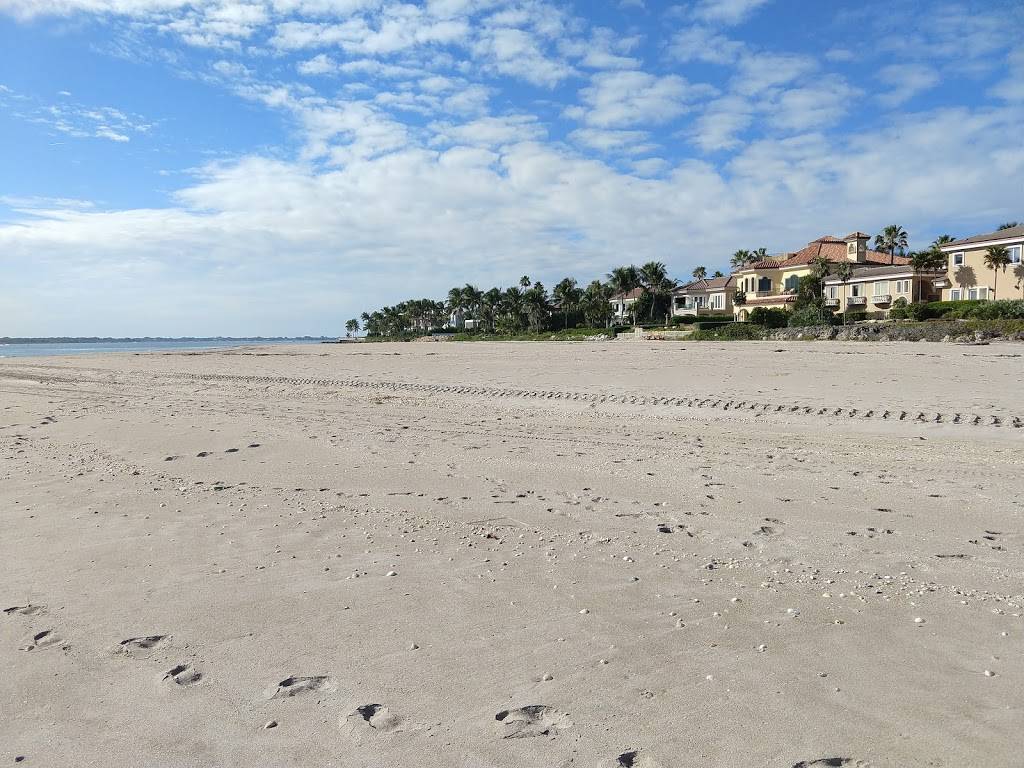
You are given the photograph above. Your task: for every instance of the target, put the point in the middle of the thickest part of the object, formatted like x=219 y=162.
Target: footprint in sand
x=24 y=610
x=533 y=720
x=183 y=675
x=135 y=646
x=634 y=759
x=375 y=717
x=296 y=686
x=43 y=640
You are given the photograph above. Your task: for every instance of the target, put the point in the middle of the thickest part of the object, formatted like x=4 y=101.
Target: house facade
x=966 y=275
x=874 y=290
x=705 y=295
x=774 y=282
x=623 y=303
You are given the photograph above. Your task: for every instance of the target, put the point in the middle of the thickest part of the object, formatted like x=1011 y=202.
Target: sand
x=597 y=554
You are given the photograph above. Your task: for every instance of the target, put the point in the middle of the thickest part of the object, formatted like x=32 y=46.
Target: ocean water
x=42 y=349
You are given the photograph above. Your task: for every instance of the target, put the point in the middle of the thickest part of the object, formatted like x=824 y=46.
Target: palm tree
x=699 y=273
x=512 y=306
x=535 y=302
x=844 y=271
x=997 y=257
x=622 y=280
x=941 y=240
x=472 y=298
x=352 y=326
x=892 y=237
x=525 y=282
x=596 y=303
x=718 y=273
x=1008 y=225
x=489 y=306
x=931 y=260
x=568 y=296
x=758 y=255
x=740 y=259
x=654 y=281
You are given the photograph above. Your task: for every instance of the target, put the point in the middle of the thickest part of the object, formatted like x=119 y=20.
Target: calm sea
x=142 y=345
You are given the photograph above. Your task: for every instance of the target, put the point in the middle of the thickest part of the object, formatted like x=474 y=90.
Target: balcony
x=857 y=301
x=831 y=302
x=762 y=294
x=883 y=298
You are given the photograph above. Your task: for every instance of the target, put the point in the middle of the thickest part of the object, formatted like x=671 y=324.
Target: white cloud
x=699 y=43
x=619 y=99
x=1012 y=88
x=727 y=11
x=906 y=81
x=627 y=142
x=761 y=72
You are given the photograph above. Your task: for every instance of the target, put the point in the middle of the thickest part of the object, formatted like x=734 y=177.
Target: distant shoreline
x=150 y=339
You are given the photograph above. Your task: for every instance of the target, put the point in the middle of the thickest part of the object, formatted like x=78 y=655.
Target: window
x=1014 y=254
x=792 y=283
x=958 y=259
x=955 y=294
x=832 y=292
x=856 y=289
x=902 y=286
x=881 y=289
x=977 y=294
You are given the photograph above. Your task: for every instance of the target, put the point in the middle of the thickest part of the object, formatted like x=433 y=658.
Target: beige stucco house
x=774 y=282
x=874 y=290
x=713 y=294
x=967 y=277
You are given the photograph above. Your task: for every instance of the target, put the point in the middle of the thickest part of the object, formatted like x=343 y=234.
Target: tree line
x=529 y=306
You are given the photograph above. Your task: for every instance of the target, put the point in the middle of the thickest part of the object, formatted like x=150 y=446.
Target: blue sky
x=278 y=166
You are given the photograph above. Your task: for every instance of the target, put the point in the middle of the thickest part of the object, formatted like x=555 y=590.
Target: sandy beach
x=486 y=555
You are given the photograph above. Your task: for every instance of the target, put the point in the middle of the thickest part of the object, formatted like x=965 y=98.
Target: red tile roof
x=833 y=249
x=636 y=293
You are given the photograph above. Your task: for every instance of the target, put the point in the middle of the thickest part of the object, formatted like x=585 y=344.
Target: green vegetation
x=730 y=332
x=570 y=334
x=527 y=309
x=769 y=317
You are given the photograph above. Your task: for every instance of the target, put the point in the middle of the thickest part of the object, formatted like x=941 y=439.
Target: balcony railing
x=882 y=298
x=856 y=301
x=831 y=302
x=762 y=294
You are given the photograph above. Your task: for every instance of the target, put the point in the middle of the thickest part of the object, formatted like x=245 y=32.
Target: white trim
x=981 y=244
x=1019 y=249
x=955 y=294
x=952 y=258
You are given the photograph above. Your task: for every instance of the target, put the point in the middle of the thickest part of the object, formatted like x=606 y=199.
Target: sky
x=277 y=167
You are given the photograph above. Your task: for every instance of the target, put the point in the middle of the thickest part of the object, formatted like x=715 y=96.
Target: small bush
x=856 y=317
x=705 y=325
x=769 y=317
x=730 y=332
x=811 y=315
x=1006 y=309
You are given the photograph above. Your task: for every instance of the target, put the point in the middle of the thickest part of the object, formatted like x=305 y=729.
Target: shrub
x=811 y=315
x=705 y=325
x=1006 y=309
x=769 y=317
x=937 y=309
x=856 y=317
x=730 y=332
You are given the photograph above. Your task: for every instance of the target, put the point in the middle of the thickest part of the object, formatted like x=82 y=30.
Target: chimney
x=857 y=247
